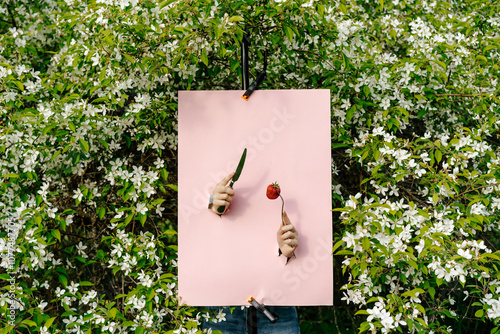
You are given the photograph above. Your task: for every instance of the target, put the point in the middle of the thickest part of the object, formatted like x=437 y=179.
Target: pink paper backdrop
x=224 y=261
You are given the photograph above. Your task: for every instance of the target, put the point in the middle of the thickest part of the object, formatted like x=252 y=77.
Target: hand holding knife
x=236 y=176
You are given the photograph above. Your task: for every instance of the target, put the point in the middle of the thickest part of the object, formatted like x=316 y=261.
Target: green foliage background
x=88 y=138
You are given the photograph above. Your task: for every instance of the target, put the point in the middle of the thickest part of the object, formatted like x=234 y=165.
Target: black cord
x=251 y=320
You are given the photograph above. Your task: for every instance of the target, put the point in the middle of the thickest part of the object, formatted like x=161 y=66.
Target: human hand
x=222 y=195
x=287 y=236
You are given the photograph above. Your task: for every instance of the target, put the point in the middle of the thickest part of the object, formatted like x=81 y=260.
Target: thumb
x=286 y=220
x=226 y=180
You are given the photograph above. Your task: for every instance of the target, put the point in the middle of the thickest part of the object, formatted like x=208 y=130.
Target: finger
x=221 y=190
x=222 y=196
x=287 y=228
x=220 y=203
x=226 y=180
x=229 y=191
x=288 y=235
x=286 y=220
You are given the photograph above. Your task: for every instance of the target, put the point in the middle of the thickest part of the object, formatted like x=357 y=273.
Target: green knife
x=236 y=175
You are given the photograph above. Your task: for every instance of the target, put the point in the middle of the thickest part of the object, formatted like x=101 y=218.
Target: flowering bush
x=88 y=138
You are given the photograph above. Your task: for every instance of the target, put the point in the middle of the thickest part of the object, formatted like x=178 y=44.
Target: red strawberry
x=273 y=191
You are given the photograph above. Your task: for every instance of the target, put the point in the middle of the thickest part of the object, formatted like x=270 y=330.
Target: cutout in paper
x=224 y=260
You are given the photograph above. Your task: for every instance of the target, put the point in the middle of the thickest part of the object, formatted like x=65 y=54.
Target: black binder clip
x=244 y=70
x=262 y=309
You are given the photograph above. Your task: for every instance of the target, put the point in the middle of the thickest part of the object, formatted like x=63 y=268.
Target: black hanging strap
x=244 y=69
x=244 y=61
x=251 y=320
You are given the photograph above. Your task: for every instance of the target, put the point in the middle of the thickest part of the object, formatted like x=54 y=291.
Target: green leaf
x=339 y=145
x=489 y=47
x=366 y=243
x=104 y=143
x=170 y=232
x=158 y=201
x=102 y=75
x=56 y=234
x=19 y=85
x=490 y=255
x=127 y=140
x=435 y=198
x=337 y=245
x=151 y=294
x=63 y=280
x=350 y=114
x=112 y=313
x=412 y=293
x=479 y=313
x=142 y=219
x=420 y=308
x=366 y=90
x=204 y=57
x=47 y=129
x=116 y=269
x=81 y=259
x=101 y=212
x=413 y=264
x=289 y=33
x=86 y=283
x=344 y=252
x=343 y=8
x=432 y=292
x=166 y=3
x=55 y=155
x=49 y=322
x=84 y=145
x=28 y=322
x=129 y=58
x=438 y=155
x=11 y=175
x=6 y=330
x=345 y=61
x=127 y=323
x=364 y=327
x=101 y=99
x=129 y=218
x=5 y=276
x=236 y=18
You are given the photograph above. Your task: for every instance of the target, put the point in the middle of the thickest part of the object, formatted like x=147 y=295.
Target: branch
x=5 y=21
x=461 y=95
x=474 y=189
x=12 y=17
x=307 y=51
x=315 y=54
x=470 y=190
x=75 y=235
x=414 y=197
x=464 y=95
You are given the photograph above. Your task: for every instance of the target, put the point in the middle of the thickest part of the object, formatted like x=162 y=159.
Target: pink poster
x=223 y=260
